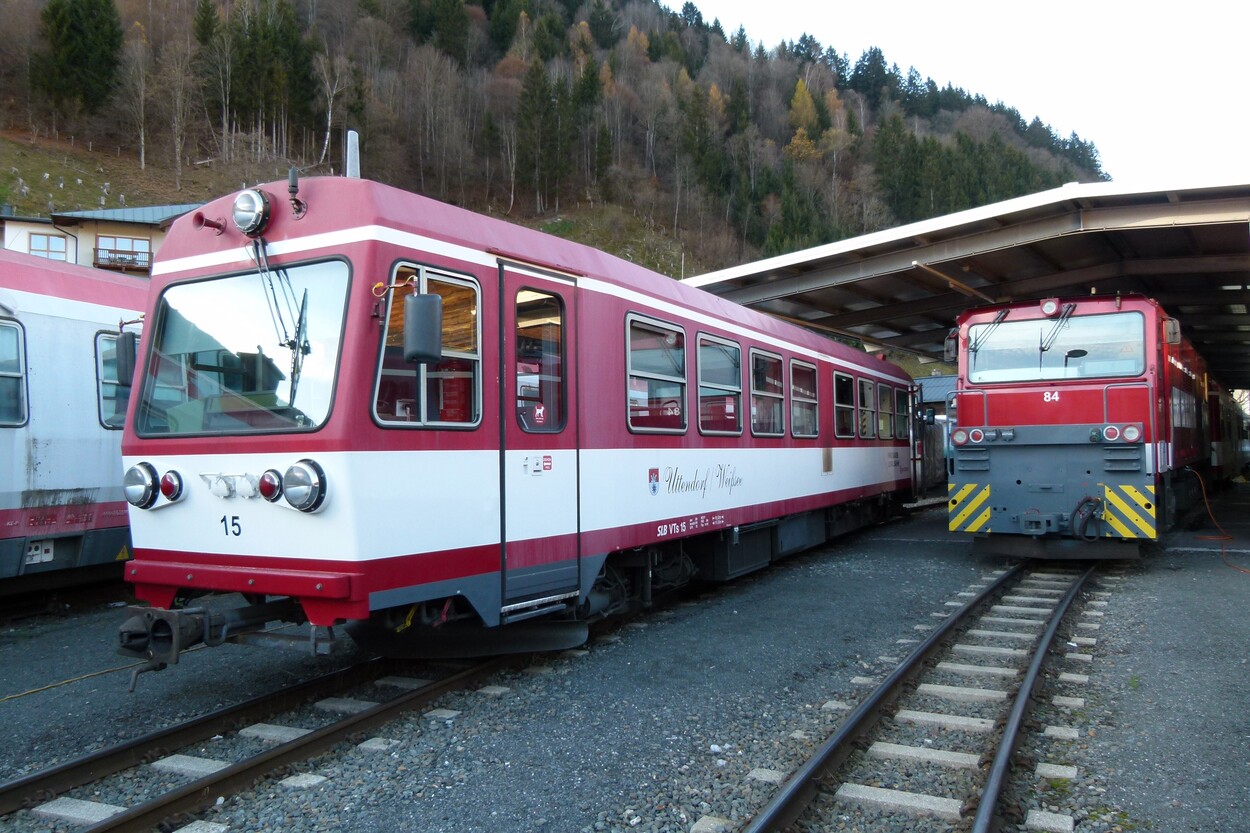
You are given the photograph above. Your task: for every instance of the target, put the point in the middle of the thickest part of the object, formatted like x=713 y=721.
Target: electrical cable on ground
x=1223 y=537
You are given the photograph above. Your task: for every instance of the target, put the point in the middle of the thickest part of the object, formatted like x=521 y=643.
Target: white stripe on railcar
x=403 y=239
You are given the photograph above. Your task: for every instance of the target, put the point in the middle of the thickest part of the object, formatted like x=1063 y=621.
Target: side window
x=885 y=412
x=804 y=420
x=540 y=394
x=768 y=396
x=657 y=376
x=112 y=396
x=448 y=393
x=720 y=386
x=843 y=405
x=12 y=375
x=902 y=414
x=867 y=408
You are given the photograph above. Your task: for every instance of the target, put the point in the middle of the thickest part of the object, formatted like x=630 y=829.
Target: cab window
x=12 y=375
x=446 y=393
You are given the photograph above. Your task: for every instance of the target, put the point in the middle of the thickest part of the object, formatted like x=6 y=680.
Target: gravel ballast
x=683 y=716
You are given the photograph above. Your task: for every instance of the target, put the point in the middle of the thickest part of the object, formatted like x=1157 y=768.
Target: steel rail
x=202 y=793
x=53 y=781
x=788 y=803
x=986 y=810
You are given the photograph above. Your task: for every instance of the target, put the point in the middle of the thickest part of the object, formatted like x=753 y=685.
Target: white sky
x=1159 y=89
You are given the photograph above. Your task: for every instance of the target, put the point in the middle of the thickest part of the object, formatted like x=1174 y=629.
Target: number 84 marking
x=1050 y=396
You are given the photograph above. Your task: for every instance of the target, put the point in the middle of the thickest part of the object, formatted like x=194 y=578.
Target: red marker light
x=270 y=486
x=171 y=486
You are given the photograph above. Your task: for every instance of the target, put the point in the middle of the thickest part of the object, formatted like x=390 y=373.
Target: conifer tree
x=84 y=47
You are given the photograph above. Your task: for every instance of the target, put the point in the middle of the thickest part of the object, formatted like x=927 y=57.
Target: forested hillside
x=526 y=108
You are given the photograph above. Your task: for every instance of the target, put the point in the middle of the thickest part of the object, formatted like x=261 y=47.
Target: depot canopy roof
x=1188 y=248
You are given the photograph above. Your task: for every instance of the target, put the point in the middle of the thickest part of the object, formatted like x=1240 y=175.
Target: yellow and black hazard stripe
x=1129 y=511
x=968 y=507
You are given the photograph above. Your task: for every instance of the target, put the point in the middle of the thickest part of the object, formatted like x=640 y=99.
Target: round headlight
x=304 y=485
x=251 y=211
x=140 y=485
x=1132 y=433
x=959 y=436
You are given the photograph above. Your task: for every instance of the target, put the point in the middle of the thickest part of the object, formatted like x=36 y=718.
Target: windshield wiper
x=278 y=296
x=990 y=328
x=1048 y=341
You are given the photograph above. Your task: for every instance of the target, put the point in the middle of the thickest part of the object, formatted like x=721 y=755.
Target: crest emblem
x=653 y=481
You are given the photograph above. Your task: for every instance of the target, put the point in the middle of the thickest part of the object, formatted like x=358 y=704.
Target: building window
x=804 y=419
x=720 y=386
x=843 y=405
x=123 y=252
x=12 y=375
x=768 y=395
x=50 y=246
x=657 y=377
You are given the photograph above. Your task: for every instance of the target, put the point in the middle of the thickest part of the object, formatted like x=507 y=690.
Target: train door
x=539 y=441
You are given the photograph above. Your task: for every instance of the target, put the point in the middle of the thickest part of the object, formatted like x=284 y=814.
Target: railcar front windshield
x=246 y=353
x=1066 y=347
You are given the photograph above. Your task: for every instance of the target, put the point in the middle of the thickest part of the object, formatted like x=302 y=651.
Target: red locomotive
x=1082 y=424
x=359 y=405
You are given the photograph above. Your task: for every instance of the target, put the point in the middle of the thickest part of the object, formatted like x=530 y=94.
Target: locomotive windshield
x=1070 y=347
x=246 y=353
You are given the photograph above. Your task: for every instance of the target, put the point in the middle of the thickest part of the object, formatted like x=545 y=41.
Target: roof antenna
x=352 y=168
x=298 y=207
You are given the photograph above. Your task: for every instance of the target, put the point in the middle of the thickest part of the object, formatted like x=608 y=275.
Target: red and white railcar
x=62 y=404
x=360 y=405
x=1083 y=424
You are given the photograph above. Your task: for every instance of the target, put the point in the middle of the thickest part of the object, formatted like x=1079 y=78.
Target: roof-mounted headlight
x=251 y=212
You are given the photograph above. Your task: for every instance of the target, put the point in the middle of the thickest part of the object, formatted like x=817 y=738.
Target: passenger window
x=657 y=377
x=12 y=375
x=720 y=386
x=902 y=414
x=843 y=405
x=767 y=395
x=804 y=420
x=885 y=412
x=112 y=395
x=540 y=392
x=867 y=408
x=446 y=393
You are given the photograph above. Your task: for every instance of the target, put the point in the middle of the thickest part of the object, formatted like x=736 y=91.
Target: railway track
x=198 y=781
x=956 y=705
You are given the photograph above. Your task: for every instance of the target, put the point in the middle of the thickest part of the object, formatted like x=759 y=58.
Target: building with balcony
x=121 y=239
